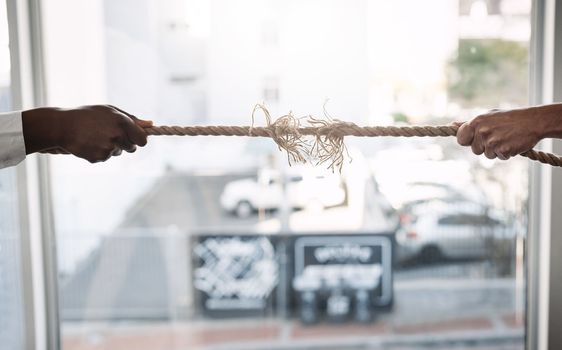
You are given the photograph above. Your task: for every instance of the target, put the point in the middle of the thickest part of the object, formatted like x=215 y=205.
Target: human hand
x=504 y=134
x=94 y=133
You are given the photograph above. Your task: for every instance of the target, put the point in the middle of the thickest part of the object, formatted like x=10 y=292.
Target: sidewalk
x=503 y=332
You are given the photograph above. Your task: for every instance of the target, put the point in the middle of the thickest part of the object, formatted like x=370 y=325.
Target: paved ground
x=479 y=333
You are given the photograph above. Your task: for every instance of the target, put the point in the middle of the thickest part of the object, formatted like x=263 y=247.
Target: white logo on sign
x=236 y=268
x=345 y=251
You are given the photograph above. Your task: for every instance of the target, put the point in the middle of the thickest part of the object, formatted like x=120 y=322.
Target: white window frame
x=544 y=275
x=27 y=91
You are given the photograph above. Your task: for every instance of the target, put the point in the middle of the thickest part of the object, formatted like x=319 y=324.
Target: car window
x=468 y=220
x=295 y=179
x=457 y=219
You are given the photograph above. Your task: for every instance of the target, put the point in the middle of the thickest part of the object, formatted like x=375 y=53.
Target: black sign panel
x=235 y=273
x=347 y=262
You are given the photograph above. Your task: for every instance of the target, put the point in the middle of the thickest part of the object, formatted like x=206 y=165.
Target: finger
x=465 y=135
x=477 y=145
x=459 y=124
x=56 y=150
x=140 y=122
x=489 y=153
x=99 y=156
x=135 y=133
x=116 y=152
x=129 y=148
x=502 y=156
x=126 y=145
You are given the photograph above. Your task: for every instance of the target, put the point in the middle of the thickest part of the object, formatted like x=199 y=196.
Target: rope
x=331 y=131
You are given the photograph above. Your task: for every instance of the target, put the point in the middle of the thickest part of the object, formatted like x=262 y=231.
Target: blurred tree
x=400 y=117
x=489 y=73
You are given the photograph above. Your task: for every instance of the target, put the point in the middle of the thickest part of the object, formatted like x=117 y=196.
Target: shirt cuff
x=12 y=145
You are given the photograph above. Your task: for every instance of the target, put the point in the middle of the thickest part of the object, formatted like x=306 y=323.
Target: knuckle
x=107 y=150
x=476 y=122
x=484 y=131
x=492 y=143
x=504 y=150
x=123 y=119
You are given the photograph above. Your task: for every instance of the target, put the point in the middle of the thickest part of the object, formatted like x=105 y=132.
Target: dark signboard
x=341 y=276
x=351 y=262
x=235 y=273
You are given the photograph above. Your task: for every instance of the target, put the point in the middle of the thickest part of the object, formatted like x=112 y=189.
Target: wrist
x=42 y=129
x=549 y=120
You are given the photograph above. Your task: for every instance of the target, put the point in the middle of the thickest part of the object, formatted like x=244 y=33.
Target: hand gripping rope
x=327 y=136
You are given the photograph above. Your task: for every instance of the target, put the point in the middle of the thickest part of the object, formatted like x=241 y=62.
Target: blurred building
x=271 y=53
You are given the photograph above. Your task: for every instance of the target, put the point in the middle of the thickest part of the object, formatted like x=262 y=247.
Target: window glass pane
x=11 y=292
x=205 y=242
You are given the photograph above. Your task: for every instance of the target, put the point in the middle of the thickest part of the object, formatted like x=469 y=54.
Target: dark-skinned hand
x=94 y=133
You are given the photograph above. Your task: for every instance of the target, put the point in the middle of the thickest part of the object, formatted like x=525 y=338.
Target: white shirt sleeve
x=12 y=146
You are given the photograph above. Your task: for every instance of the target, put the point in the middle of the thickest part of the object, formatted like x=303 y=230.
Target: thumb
x=465 y=134
x=142 y=123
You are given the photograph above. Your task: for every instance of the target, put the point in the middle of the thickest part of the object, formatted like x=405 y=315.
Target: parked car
x=422 y=192
x=441 y=229
x=306 y=187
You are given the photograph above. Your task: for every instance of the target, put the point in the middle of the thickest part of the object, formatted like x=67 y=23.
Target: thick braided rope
x=337 y=129
x=340 y=129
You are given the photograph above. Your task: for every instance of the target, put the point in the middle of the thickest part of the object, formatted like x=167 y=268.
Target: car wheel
x=431 y=254
x=243 y=209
